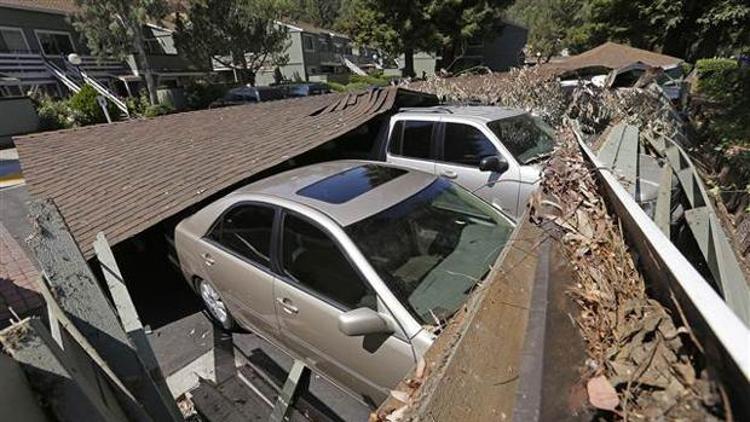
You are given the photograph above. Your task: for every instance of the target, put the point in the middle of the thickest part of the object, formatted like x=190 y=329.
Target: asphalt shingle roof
x=125 y=177
x=612 y=56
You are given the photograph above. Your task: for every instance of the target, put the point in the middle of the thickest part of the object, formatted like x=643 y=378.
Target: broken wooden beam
x=79 y=295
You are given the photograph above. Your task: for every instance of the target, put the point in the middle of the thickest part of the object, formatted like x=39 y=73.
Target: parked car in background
x=493 y=152
x=345 y=264
x=250 y=94
x=306 y=89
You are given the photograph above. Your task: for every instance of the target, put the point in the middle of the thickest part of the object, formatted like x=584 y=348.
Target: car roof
x=316 y=186
x=482 y=114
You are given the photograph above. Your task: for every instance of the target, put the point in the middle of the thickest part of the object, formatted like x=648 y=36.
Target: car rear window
x=349 y=184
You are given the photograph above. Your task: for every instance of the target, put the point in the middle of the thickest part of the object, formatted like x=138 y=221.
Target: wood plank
x=626 y=162
x=736 y=288
x=297 y=382
x=129 y=315
x=57 y=376
x=663 y=213
x=608 y=151
x=79 y=295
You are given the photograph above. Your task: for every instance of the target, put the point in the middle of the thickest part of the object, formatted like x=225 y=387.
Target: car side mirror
x=494 y=163
x=363 y=321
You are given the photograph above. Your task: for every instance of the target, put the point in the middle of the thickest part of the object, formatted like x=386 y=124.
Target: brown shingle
x=54 y=6
x=124 y=177
x=612 y=56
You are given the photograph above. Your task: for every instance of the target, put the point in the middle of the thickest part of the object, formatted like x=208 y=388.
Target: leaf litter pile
x=642 y=364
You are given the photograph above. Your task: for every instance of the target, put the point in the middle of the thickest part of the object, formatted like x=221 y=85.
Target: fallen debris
x=634 y=345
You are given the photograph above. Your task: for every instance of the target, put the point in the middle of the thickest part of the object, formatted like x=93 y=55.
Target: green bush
x=53 y=114
x=200 y=94
x=369 y=80
x=158 y=109
x=86 y=110
x=718 y=79
x=336 y=87
x=357 y=86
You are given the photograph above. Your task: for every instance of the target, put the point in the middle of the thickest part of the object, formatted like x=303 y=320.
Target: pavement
x=19 y=292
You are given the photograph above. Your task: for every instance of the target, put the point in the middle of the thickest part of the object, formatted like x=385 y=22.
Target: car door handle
x=287 y=306
x=449 y=174
x=208 y=259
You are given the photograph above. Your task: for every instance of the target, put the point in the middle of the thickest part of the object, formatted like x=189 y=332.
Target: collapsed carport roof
x=125 y=177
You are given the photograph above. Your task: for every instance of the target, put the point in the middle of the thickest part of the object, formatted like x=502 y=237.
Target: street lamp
x=74 y=59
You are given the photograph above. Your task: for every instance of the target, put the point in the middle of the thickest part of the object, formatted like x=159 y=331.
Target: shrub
x=86 y=110
x=200 y=94
x=158 y=109
x=336 y=87
x=357 y=86
x=369 y=80
x=719 y=79
x=53 y=114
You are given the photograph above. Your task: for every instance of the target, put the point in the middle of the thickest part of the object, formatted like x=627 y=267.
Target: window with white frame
x=13 y=40
x=55 y=43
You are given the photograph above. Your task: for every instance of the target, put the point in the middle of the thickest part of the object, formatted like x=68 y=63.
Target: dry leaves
x=634 y=347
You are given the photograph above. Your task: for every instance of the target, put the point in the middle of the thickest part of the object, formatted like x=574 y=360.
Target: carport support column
x=78 y=294
x=126 y=311
x=297 y=382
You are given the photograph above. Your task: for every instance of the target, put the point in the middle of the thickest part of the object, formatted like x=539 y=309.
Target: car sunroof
x=351 y=183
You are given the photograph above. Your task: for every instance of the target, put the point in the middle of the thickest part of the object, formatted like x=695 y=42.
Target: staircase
x=353 y=67
x=61 y=76
x=74 y=84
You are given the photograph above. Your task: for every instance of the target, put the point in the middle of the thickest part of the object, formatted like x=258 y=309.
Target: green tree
x=240 y=34
x=323 y=13
x=689 y=29
x=395 y=26
x=459 y=22
x=553 y=24
x=115 y=28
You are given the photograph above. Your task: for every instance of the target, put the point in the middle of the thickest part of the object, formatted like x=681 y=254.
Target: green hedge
x=720 y=80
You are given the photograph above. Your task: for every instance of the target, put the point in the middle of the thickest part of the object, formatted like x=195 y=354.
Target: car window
x=394 y=145
x=311 y=258
x=246 y=231
x=466 y=145
x=414 y=140
x=433 y=248
x=527 y=138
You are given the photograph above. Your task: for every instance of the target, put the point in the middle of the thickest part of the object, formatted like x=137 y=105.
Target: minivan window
x=466 y=145
x=526 y=137
x=414 y=141
x=246 y=231
x=311 y=258
x=433 y=248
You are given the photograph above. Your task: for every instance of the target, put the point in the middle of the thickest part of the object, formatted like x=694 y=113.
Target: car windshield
x=527 y=137
x=433 y=248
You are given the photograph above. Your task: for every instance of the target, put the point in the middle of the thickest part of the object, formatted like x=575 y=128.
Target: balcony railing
x=29 y=68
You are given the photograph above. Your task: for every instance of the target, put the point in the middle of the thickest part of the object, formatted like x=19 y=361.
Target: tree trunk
x=408 y=62
x=144 y=64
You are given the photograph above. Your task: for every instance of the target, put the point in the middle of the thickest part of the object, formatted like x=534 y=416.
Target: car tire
x=215 y=306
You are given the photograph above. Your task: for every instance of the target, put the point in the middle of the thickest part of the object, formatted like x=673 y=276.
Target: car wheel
x=215 y=305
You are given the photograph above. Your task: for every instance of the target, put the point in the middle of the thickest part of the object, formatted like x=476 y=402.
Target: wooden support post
x=79 y=295
x=127 y=312
x=297 y=382
x=663 y=212
x=71 y=391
